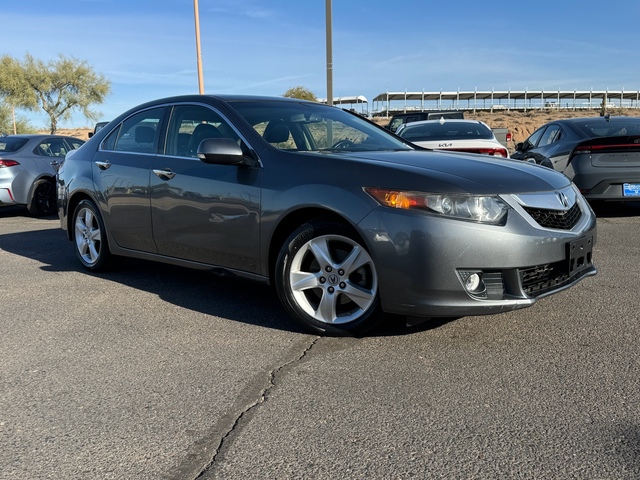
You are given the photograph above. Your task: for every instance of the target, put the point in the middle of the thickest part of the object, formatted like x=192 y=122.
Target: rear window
x=446 y=131
x=615 y=127
x=12 y=144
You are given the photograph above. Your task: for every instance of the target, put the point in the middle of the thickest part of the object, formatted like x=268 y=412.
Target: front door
x=201 y=212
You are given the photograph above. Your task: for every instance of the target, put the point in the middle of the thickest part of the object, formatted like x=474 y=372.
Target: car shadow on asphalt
x=220 y=295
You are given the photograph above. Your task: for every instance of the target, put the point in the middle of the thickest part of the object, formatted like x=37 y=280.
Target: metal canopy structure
x=353 y=100
x=516 y=99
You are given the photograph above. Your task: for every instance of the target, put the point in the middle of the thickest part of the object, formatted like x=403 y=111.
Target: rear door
x=121 y=174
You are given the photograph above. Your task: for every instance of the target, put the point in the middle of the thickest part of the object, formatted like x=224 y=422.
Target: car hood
x=440 y=171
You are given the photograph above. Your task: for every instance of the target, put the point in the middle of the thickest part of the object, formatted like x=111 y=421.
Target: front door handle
x=103 y=165
x=164 y=174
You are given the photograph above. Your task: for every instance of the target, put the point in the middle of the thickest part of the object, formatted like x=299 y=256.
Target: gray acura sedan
x=345 y=219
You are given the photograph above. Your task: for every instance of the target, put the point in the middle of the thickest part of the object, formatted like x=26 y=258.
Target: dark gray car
x=343 y=218
x=600 y=154
x=28 y=166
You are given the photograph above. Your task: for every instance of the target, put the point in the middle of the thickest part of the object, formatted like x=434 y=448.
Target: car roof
x=220 y=97
x=39 y=135
x=598 y=118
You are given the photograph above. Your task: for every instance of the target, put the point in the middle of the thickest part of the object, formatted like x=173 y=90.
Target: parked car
x=471 y=136
x=28 y=168
x=402 y=118
x=600 y=154
x=97 y=127
x=345 y=219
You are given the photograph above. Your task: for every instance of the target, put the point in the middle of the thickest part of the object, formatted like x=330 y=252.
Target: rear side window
x=12 y=144
x=137 y=134
x=52 y=147
x=551 y=134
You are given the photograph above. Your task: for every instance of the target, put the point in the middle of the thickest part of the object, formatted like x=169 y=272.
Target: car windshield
x=304 y=126
x=12 y=144
x=614 y=127
x=447 y=130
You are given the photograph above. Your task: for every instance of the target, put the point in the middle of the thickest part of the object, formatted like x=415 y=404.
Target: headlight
x=475 y=208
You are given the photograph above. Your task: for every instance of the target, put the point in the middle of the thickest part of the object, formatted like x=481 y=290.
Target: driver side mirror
x=223 y=151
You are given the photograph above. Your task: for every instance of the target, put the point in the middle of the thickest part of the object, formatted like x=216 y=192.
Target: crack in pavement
x=189 y=468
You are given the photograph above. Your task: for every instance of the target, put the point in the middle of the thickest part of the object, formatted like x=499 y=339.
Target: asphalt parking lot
x=152 y=371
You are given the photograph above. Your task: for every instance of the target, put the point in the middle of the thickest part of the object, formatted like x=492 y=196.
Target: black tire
x=327 y=281
x=90 y=237
x=43 y=198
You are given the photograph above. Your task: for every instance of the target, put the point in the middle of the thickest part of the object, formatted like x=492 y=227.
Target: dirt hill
x=520 y=124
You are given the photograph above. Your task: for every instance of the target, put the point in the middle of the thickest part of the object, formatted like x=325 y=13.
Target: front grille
x=558 y=219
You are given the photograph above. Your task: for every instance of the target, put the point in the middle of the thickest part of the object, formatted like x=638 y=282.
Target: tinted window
x=52 y=147
x=535 y=136
x=550 y=135
x=74 y=144
x=446 y=131
x=138 y=133
x=12 y=144
x=190 y=124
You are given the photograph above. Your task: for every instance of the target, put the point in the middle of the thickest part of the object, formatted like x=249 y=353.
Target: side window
x=551 y=134
x=190 y=124
x=74 y=144
x=535 y=137
x=52 y=147
x=138 y=133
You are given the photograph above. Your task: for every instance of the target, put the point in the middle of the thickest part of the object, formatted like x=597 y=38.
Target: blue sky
x=146 y=48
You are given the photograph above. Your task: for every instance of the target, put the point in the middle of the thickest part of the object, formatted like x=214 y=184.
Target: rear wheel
x=43 y=198
x=90 y=237
x=327 y=280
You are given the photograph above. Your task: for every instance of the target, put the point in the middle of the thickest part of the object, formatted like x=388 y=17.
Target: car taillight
x=8 y=163
x=509 y=137
x=500 y=152
x=496 y=152
x=583 y=149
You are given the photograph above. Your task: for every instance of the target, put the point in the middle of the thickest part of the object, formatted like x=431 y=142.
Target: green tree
x=300 y=92
x=58 y=87
x=6 y=121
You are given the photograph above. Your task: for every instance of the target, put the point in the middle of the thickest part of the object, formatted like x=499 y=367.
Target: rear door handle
x=164 y=174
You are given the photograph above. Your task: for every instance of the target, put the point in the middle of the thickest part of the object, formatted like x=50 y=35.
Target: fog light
x=473 y=282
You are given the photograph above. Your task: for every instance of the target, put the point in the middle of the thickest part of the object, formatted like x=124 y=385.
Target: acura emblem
x=562 y=198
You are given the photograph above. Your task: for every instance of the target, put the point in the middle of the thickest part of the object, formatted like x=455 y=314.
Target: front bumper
x=423 y=260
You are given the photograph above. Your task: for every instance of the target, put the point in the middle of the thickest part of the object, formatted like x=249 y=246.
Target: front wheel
x=90 y=237
x=327 y=280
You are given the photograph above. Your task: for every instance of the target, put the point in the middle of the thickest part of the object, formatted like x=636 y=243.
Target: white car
x=471 y=136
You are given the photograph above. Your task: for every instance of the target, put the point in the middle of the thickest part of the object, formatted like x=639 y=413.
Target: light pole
x=198 y=54
x=329 y=55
